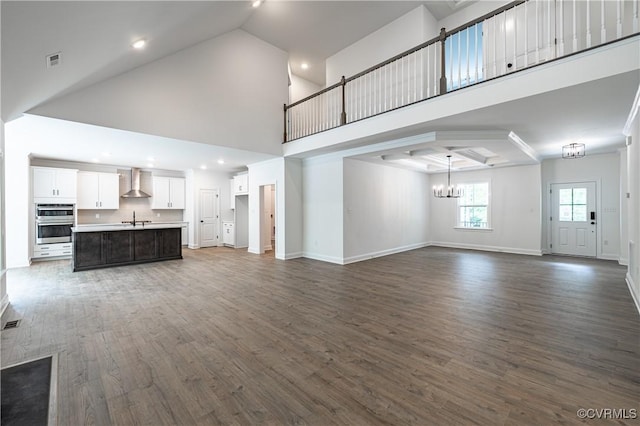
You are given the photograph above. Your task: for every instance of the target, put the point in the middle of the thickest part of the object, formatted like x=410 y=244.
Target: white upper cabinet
x=98 y=191
x=232 y=194
x=241 y=184
x=51 y=185
x=168 y=193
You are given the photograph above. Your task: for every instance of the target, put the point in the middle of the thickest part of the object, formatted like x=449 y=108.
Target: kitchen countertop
x=101 y=227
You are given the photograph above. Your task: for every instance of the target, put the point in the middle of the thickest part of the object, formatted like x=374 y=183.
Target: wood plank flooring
x=429 y=337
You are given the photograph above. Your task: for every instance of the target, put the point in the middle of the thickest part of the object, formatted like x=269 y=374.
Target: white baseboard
x=635 y=297
x=608 y=256
x=4 y=303
x=380 y=253
x=288 y=256
x=322 y=257
x=512 y=250
x=254 y=250
x=194 y=246
x=623 y=261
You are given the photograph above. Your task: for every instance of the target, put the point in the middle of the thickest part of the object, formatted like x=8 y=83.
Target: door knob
x=202 y=221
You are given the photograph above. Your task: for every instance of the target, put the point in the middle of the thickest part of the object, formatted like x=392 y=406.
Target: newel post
x=443 y=68
x=285 y=124
x=343 y=116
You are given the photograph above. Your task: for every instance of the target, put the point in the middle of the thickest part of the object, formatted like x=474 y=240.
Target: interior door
x=209 y=217
x=573 y=219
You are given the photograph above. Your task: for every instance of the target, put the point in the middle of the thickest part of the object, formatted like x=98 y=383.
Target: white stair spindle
x=574 y=20
x=526 y=35
x=588 y=38
x=514 y=28
x=537 y=33
x=619 y=19
x=475 y=54
x=505 y=69
x=550 y=41
x=603 y=27
x=560 y=28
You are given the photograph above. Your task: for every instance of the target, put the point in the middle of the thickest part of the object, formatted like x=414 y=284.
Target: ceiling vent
x=54 y=59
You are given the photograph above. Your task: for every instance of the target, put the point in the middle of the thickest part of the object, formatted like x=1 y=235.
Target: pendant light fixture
x=573 y=150
x=451 y=192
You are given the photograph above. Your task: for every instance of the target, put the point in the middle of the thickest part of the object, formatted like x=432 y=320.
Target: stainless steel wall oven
x=54 y=222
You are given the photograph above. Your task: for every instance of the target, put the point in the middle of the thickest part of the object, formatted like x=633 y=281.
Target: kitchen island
x=106 y=245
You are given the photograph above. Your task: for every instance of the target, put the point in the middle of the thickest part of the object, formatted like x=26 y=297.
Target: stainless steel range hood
x=135 y=186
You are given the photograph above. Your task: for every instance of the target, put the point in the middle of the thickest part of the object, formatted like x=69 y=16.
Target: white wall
x=632 y=203
x=406 y=32
x=301 y=88
x=386 y=210
x=605 y=171
x=17 y=196
x=469 y=13
x=197 y=179
x=322 y=189
x=286 y=175
x=207 y=93
x=515 y=211
x=4 y=298
x=624 y=218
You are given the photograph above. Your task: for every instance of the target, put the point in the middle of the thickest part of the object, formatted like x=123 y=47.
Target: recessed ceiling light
x=304 y=66
x=95 y=160
x=203 y=167
x=149 y=165
x=221 y=161
x=256 y=3
x=150 y=159
x=139 y=44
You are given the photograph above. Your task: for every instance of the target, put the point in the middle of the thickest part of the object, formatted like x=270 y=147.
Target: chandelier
x=451 y=192
x=573 y=150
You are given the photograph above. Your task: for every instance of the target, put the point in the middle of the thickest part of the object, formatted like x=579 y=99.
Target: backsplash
x=142 y=206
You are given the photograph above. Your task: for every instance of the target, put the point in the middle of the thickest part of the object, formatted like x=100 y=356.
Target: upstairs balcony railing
x=517 y=36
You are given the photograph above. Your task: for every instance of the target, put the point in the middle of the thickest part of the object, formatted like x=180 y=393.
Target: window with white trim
x=473 y=206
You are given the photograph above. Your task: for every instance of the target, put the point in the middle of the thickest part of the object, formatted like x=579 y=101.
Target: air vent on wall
x=54 y=59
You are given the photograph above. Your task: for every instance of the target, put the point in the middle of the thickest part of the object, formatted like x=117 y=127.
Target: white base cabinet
x=41 y=251
x=228 y=234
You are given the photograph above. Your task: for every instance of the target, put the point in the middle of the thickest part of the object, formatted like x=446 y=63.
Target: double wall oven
x=53 y=223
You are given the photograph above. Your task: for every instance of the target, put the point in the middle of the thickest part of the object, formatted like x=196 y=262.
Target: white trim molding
x=626 y=130
x=380 y=253
x=635 y=297
x=498 y=249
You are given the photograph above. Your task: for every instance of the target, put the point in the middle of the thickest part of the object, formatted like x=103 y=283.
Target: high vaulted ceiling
x=95 y=37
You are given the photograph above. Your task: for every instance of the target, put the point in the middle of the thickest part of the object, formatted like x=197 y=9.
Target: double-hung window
x=473 y=206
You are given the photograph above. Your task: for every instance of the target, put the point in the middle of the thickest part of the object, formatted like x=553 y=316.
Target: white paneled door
x=209 y=217
x=573 y=219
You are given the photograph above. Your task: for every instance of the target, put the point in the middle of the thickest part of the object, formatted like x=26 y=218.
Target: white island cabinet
x=98 y=191
x=168 y=193
x=53 y=185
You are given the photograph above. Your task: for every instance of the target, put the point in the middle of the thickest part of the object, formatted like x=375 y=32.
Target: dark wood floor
x=431 y=336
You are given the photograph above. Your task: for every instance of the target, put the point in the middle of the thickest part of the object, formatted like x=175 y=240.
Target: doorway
x=267 y=218
x=573 y=219
x=209 y=217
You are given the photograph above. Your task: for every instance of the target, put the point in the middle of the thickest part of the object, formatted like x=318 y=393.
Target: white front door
x=573 y=219
x=209 y=217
